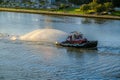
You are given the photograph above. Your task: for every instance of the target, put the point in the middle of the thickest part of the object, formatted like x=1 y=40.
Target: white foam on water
x=46 y=35
x=13 y=38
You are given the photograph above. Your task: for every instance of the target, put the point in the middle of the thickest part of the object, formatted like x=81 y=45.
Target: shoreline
x=59 y=13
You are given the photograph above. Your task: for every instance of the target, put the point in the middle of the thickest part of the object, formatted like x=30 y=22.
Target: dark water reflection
x=22 y=60
x=95 y=20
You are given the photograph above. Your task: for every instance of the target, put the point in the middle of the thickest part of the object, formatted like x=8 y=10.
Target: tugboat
x=76 y=39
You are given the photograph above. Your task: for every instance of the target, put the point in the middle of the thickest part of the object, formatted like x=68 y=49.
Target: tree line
x=116 y=3
x=95 y=7
x=80 y=2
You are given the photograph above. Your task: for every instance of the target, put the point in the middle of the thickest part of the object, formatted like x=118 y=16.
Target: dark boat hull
x=88 y=44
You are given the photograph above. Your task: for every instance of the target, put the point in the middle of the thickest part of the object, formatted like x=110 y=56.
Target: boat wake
x=109 y=47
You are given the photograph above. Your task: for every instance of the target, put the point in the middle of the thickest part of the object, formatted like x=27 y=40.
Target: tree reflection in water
x=93 y=20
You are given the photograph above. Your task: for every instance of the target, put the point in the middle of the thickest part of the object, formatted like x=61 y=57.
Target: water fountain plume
x=47 y=35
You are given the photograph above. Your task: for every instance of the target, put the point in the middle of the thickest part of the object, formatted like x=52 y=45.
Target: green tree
x=93 y=5
x=80 y=2
x=1 y=1
x=99 y=8
x=77 y=2
x=42 y=2
x=108 y=5
x=116 y=2
x=94 y=0
x=85 y=8
x=62 y=6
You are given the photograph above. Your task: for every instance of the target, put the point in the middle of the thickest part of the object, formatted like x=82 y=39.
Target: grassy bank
x=64 y=12
x=116 y=13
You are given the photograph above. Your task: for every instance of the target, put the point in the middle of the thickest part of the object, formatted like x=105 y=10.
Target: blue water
x=30 y=60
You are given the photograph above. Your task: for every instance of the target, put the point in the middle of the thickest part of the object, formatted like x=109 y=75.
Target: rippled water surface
x=36 y=60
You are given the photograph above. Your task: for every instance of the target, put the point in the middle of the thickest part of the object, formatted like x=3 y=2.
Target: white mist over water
x=45 y=35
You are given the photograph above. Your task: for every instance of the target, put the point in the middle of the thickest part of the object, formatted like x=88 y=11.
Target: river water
x=35 y=57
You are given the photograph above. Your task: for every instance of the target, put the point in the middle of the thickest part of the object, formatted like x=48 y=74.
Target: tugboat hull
x=88 y=44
